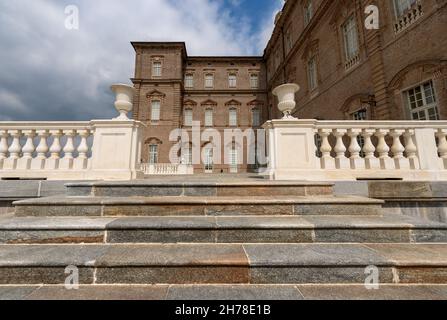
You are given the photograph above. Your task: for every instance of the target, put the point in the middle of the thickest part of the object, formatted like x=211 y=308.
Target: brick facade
x=370 y=82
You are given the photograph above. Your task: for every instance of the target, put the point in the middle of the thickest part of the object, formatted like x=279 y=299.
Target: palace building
x=346 y=72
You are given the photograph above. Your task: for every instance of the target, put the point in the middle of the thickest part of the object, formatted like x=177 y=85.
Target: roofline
x=225 y=58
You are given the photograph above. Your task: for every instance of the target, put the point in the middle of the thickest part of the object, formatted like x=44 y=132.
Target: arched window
x=155 y=110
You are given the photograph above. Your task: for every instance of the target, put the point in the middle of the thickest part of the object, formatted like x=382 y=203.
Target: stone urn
x=286 y=98
x=124 y=99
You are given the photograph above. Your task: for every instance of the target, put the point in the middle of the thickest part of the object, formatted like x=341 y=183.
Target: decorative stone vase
x=124 y=99
x=286 y=97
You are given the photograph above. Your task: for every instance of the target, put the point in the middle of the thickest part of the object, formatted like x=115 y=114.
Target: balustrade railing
x=337 y=150
x=45 y=146
x=409 y=17
x=166 y=169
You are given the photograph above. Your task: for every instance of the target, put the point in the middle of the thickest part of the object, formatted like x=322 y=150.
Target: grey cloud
x=50 y=73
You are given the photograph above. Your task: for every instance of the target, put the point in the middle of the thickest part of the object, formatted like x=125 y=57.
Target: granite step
x=236 y=229
x=224 y=292
x=160 y=188
x=224 y=264
x=194 y=206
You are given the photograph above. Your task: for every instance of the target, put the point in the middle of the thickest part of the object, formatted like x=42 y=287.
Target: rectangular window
x=232 y=81
x=402 y=5
x=312 y=73
x=254 y=81
x=156 y=69
x=155 y=112
x=189 y=81
x=188 y=117
x=421 y=101
x=256 y=114
x=233 y=118
x=350 y=39
x=308 y=12
x=187 y=156
x=209 y=117
x=209 y=81
x=153 y=154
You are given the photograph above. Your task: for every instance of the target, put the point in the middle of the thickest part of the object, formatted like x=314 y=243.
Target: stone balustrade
x=349 y=150
x=409 y=17
x=98 y=149
x=166 y=169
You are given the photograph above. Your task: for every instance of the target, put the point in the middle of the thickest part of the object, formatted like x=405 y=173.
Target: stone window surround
x=157 y=58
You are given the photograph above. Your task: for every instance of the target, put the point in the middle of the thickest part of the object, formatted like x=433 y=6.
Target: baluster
x=67 y=161
x=411 y=149
x=81 y=162
x=382 y=148
x=40 y=161
x=327 y=162
x=14 y=150
x=55 y=150
x=400 y=162
x=371 y=162
x=28 y=150
x=354 y=149
x=341 y=161
x=442 y=146
x=3 y=147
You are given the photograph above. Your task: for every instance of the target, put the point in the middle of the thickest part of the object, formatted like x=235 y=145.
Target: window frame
x=347 y=31
x=308 y=12
x=209 y=121
x=256 y=81
x=256 y=111
x=233 y=110
x=399 y=9
x=232 y=80
x=312 y=73
x=209 y=77
x=157 y=71
x=155 y=111
x=189 y=80
x=426 y=107
x=153 y=155
x=188 y=117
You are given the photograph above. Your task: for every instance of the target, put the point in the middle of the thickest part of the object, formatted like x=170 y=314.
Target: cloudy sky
x=50 y=73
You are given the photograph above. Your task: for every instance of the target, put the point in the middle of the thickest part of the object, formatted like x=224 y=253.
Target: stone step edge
x=80 y=201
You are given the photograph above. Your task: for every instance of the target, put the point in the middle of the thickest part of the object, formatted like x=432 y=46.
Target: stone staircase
x=271 y=239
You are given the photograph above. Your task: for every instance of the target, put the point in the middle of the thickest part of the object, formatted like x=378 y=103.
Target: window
x=156 y=69
x=189 y=81
x=254 y=81
x=402 y=5
x=187 y=156
x=308 y=12
x=233 y=117
x=188 y=117
x=312 y=73
x=153 y=153
x=209 y=113
x=256 y=117
x=155 y=112
x=288 y=40
x=233 y=159
x=209 y=81
x=232 y=81
x=421 y=101
x=350 y=39
x=360 y=115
